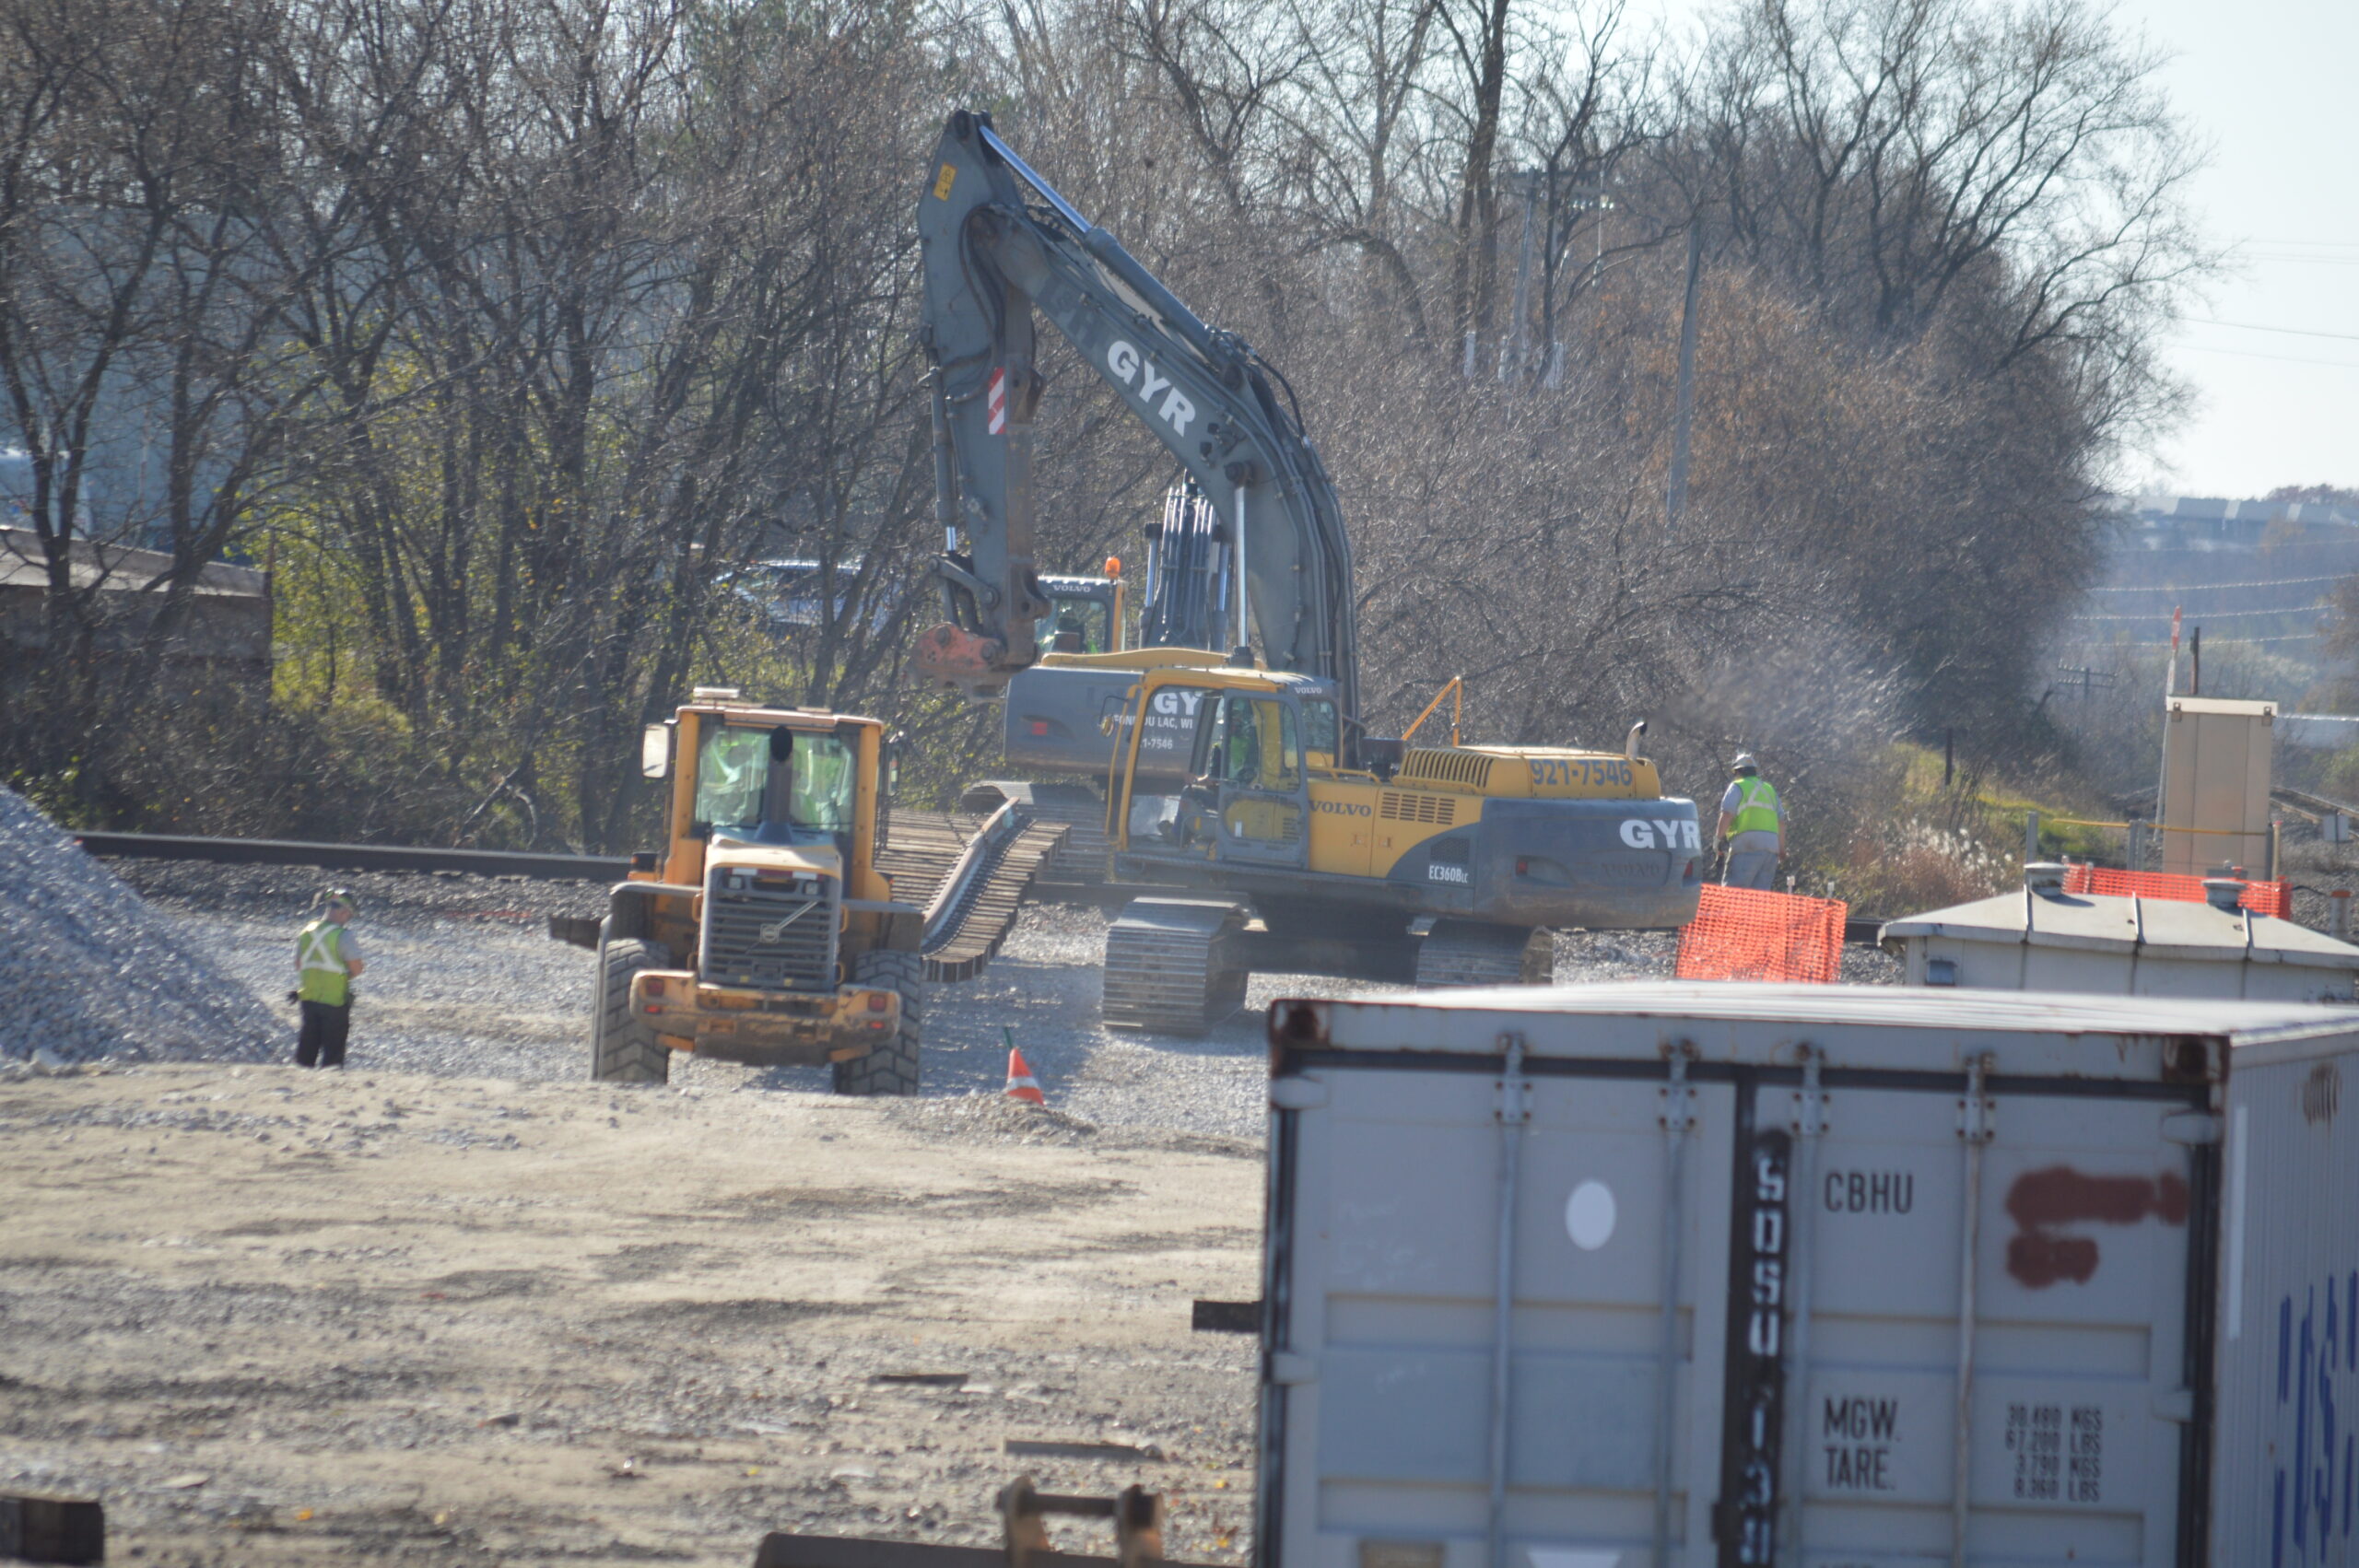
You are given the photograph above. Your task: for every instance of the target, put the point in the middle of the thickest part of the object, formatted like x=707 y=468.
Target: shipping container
x=1614 y=1276
x=2039 y=937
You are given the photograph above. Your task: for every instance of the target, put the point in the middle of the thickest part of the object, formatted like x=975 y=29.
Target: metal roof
x=2151 y=928
x=1919 y=1007
x=2037 y=1032
x=118 y=567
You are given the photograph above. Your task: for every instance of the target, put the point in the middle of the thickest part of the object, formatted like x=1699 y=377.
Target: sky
x=2267 y=84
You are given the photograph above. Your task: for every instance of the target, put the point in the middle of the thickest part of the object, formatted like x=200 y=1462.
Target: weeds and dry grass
x=1921 y=843
x=1913 y=865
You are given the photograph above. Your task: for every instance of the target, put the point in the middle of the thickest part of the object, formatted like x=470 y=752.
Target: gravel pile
x=993 y=1119
x=88 y=972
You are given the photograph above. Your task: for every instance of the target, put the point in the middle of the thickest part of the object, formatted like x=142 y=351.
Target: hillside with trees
x=509 y=334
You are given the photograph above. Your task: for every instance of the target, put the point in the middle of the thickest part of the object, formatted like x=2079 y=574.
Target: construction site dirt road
x=274 y=1316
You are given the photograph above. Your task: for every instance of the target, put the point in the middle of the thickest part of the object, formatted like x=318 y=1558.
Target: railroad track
x=924 y=852
x=967 y=922
x=358 y=857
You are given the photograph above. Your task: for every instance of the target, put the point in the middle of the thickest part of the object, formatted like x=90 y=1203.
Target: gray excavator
x=1238 y=773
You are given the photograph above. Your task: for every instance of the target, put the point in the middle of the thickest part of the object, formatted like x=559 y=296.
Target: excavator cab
x=1251 y=755
x=1245 y=799
x=1085 y=614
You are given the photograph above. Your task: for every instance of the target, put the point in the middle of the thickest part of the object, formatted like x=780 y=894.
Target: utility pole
x=1676 y=495
x=1516 y=356
x=2092 y=680
x=1516 y=352
x=1594 y=199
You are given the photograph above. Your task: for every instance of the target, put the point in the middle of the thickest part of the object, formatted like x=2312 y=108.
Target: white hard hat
x=1745 y=760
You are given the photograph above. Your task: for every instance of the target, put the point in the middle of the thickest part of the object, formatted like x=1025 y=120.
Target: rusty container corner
x=1739 y=1274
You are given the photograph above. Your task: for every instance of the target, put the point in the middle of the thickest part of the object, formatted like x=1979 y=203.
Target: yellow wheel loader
x=762 y=932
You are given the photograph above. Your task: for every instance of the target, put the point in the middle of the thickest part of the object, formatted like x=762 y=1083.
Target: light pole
x=1515 y=350
x=1595 y=199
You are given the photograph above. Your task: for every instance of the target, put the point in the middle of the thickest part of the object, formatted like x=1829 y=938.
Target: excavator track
x=1473 y=953
x=1171 y=965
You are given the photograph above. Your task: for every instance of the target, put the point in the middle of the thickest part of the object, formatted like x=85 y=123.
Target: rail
x=2309 y=805
x=356 y=857
x=943 y=912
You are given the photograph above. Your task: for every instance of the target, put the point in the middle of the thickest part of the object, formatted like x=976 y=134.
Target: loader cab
x=774 y=784
x=765 y=778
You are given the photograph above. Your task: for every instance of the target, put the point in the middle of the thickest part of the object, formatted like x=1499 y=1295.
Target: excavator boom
x=1242 y=780
x=999 y=244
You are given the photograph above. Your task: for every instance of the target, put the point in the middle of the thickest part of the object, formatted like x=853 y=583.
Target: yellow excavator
x=1245 y=781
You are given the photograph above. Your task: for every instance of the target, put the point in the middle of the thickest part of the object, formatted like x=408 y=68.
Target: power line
x=2214 y=614
x=2254 y=326
x=2222 y=587
x=2313 y=260
x=2281 y=358
x=2211 y=641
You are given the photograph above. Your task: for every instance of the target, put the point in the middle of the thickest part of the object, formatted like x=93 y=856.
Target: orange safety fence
x=1742 y=933
x=2260 y=897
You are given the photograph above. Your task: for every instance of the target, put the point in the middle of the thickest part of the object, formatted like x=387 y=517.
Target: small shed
x=2042 y=938
x=224 y=636
x=2215 y=784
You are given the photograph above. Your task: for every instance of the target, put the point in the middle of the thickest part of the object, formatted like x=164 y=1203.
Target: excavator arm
x=999 y=243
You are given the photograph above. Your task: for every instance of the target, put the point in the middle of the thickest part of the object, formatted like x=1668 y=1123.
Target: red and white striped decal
x=995 y=403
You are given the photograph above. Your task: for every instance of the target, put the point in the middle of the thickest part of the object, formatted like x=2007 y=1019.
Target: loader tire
x=891 y=1065
x=622 y=1050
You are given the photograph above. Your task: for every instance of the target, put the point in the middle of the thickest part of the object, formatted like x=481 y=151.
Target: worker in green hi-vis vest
x=1753 y=822
x=327 y=960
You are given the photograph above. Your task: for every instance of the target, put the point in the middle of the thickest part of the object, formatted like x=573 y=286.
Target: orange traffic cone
x=1021 y=1085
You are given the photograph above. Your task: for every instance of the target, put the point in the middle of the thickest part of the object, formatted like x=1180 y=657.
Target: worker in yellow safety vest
x=1753 y=824
x=327 y=961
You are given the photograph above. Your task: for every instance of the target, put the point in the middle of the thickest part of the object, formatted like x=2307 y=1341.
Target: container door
x=2286 y=1476
x=1386 y=1377
x=2077 y=1301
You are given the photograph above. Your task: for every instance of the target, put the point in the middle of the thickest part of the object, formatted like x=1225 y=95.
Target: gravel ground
x=80 y=956
x=457 y=1307
x=462 y=977
x=275 y=1318
x=464 y=980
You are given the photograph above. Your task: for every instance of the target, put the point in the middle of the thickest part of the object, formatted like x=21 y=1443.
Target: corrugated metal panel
x=1735 y=1229
x=2289 y=1311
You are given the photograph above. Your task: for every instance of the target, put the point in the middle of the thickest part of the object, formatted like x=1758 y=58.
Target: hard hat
x=343 y=896
x=1745 y=760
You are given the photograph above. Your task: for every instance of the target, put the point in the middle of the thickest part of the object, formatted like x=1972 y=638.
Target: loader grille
x=779 y=933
